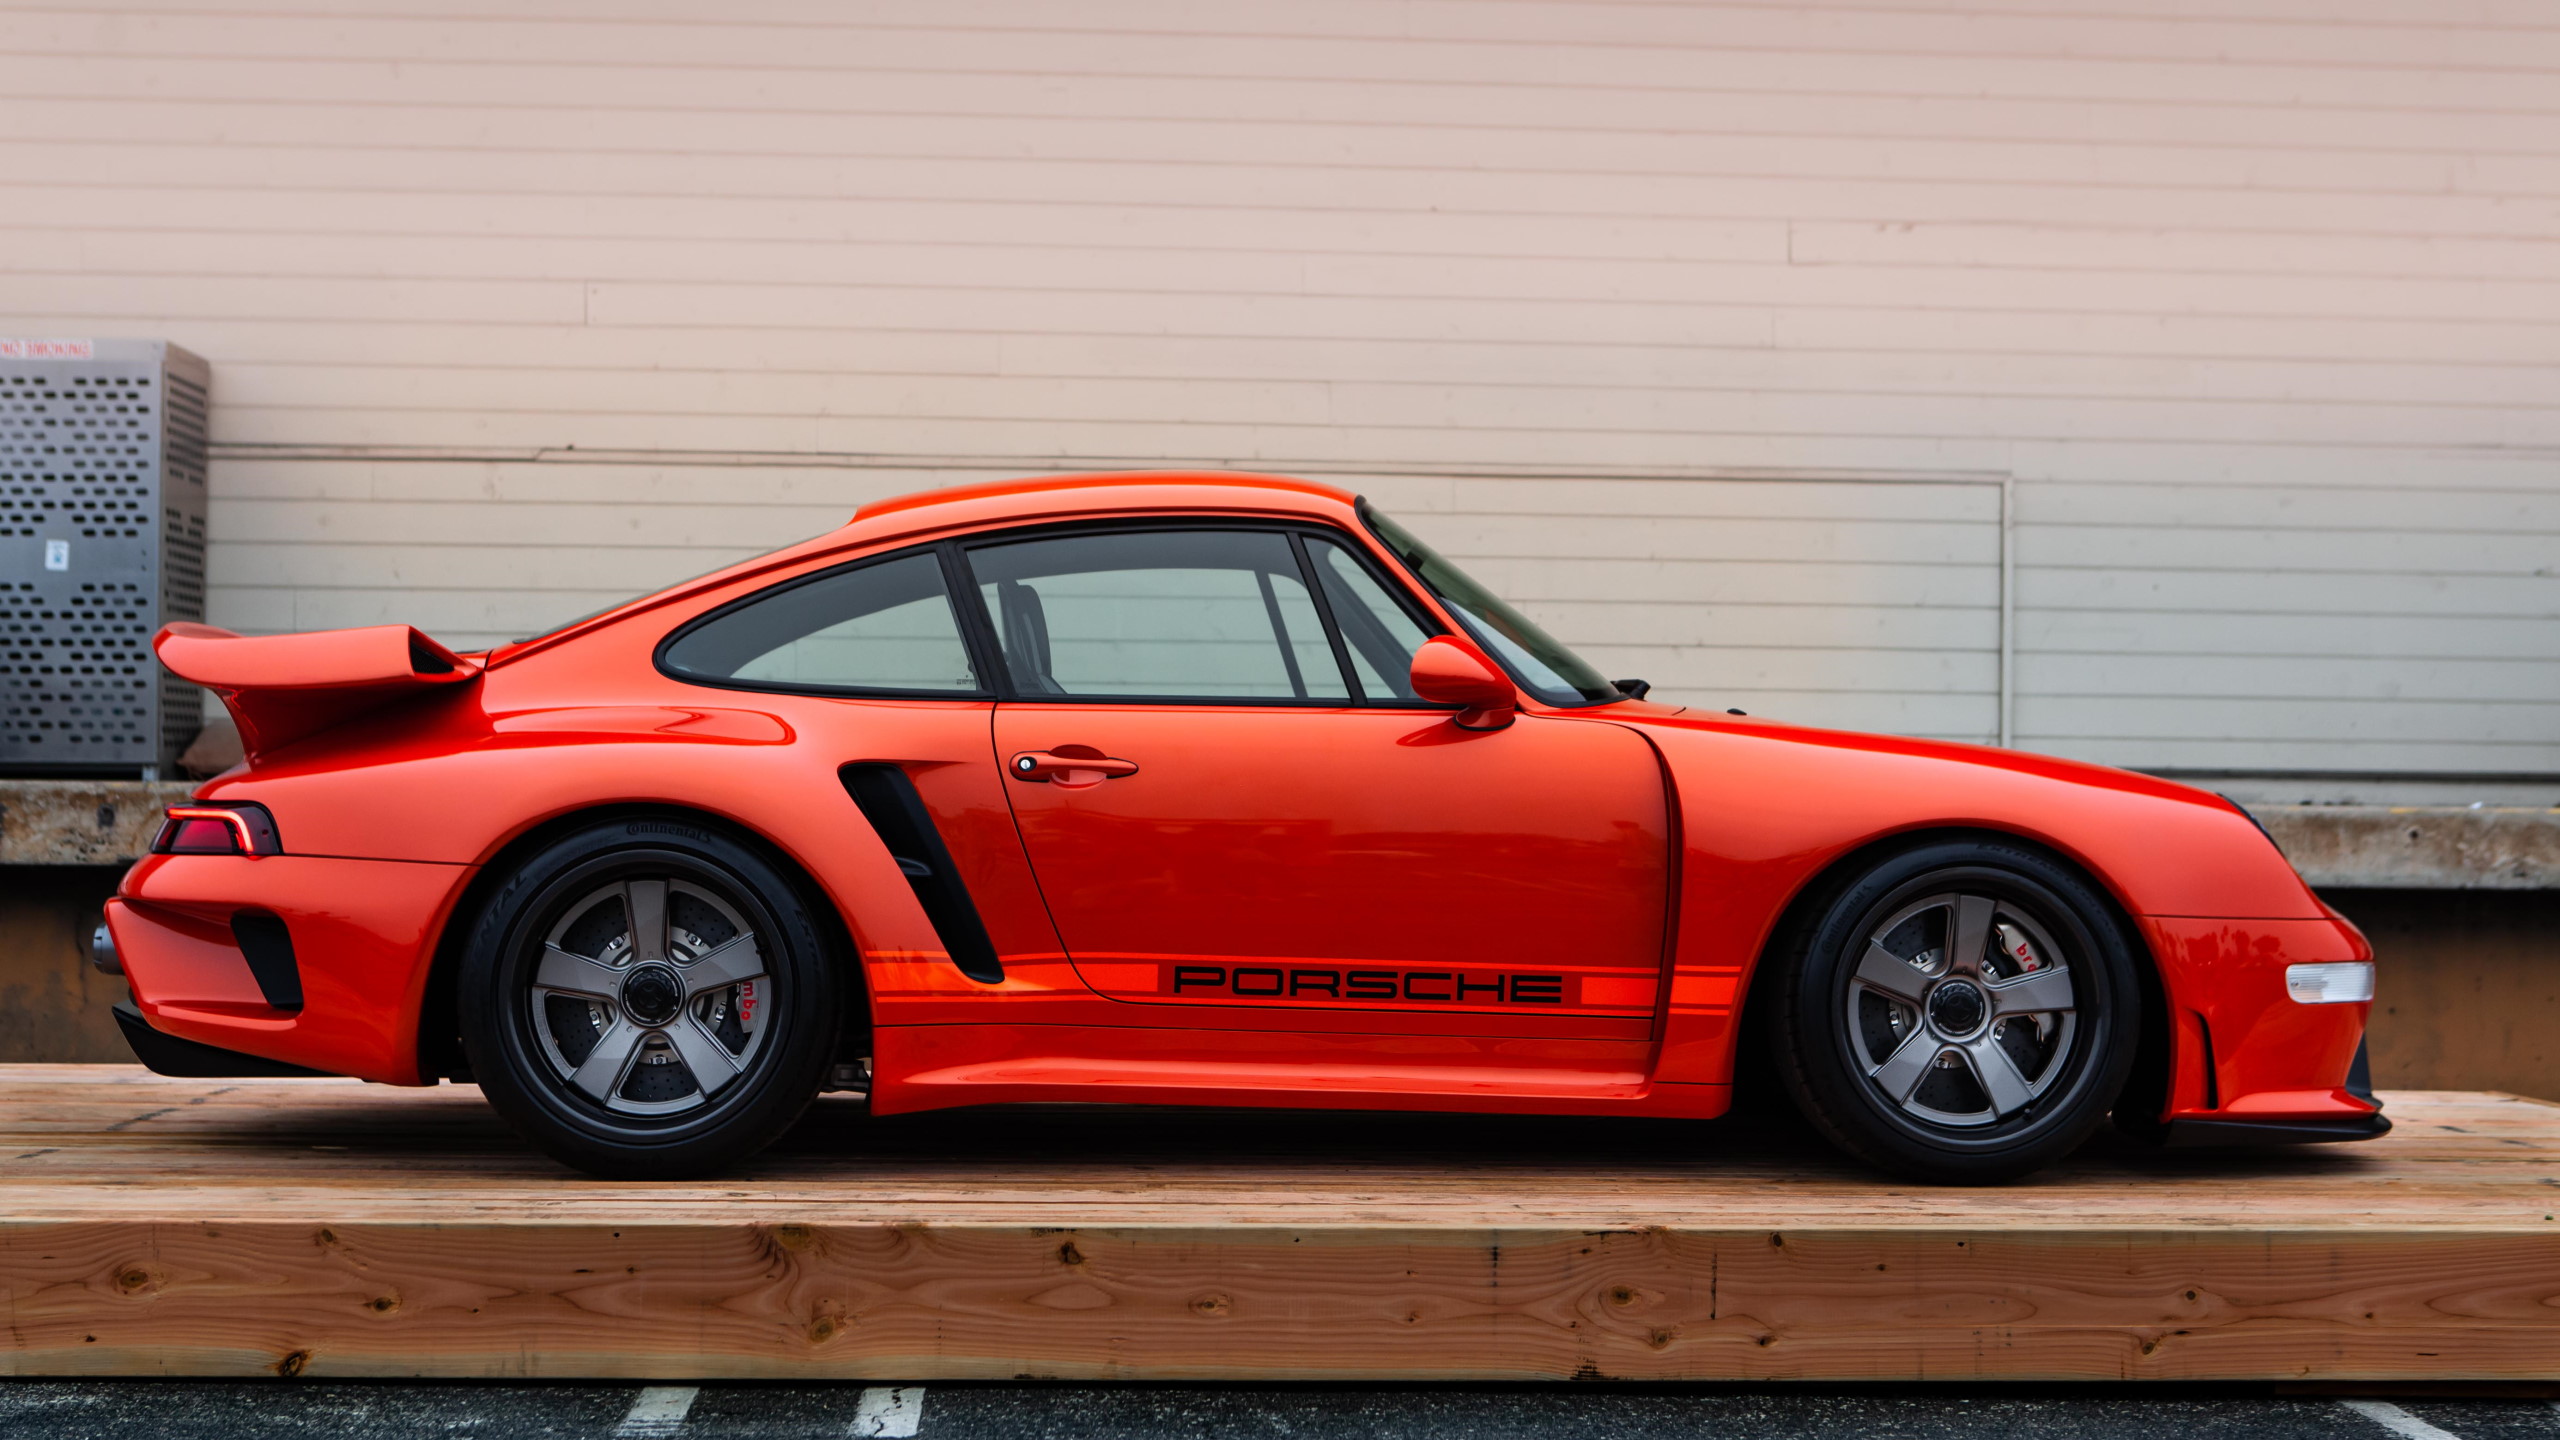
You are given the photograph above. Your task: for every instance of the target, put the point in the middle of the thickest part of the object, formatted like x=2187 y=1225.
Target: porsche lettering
x=1315 y=983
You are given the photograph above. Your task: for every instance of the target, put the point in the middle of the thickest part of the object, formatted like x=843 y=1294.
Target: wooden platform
x=314 y=1227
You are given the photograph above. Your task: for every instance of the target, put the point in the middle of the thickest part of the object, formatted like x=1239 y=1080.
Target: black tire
x=1998 y=1087
x=688 y=891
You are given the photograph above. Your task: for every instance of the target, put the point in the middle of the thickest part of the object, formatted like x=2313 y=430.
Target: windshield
x=1536 y=659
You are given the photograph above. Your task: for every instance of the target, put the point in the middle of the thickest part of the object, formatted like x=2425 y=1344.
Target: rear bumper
x=314 y=962
x=169 y=1055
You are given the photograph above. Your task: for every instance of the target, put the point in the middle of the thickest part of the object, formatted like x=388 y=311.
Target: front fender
x=1766 y=810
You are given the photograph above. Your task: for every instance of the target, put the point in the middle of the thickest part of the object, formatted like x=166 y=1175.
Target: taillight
x=237 y=828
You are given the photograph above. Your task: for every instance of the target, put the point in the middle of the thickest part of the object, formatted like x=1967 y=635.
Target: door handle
x=1073 y=766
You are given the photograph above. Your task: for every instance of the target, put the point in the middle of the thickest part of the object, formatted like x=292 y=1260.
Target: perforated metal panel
x=102 y=491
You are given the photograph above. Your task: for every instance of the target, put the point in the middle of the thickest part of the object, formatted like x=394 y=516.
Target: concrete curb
x=82 y=822
x=2418 y=847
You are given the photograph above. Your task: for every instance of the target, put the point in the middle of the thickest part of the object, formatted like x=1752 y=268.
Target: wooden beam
x=154 y=1227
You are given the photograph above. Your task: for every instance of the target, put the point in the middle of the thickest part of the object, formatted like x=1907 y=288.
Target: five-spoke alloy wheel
x=1964 y=1011
x=1961 y=1010
x=648 y=999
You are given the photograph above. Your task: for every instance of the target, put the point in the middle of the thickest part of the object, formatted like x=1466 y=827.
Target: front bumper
x=2248 y=1062
x=2195 y=1134
x=2200 y=1132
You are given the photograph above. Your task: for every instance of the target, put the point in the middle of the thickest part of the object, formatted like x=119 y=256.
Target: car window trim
x=976 y=620
x=977 y=631
x=1467 y=623
x=1280 y=632
x=1397 y=595
x=658 y=655
x=1324 y=616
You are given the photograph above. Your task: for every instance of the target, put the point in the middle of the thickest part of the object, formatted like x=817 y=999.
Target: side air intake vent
x=889 y=801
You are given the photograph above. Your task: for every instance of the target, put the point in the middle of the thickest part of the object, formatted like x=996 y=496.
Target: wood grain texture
x=163 y=1227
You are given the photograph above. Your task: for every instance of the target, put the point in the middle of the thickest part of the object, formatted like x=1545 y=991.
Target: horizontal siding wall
x=1875 y=606
x=1708 y=331
x=2295 y=627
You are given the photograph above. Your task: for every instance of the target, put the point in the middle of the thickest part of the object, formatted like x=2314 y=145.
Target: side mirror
x=1448 y=671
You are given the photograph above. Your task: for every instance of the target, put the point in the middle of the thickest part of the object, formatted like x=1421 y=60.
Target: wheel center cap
x=1957 y=1008
x=652 y=994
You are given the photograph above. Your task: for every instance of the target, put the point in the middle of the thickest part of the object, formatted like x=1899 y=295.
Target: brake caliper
x=2018 y=950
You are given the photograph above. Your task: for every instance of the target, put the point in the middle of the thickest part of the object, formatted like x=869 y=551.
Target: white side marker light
x=2330 y=982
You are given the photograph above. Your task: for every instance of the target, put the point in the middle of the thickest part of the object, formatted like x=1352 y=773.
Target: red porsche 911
x=1190 y=789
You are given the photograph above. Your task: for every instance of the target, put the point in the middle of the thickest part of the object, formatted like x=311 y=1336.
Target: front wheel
x=1964 y=1013
x=647 y=999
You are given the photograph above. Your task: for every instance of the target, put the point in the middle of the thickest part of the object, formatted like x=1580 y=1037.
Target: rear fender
x=459 y=785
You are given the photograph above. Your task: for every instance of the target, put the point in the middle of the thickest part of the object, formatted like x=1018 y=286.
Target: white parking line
x=889 y=1412
x=2398 y=1421
x=659 y=1410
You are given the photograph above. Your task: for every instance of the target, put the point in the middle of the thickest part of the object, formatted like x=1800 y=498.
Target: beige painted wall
x=1722 y=335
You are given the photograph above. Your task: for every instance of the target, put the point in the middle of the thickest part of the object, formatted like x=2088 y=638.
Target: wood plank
x=152 y=1226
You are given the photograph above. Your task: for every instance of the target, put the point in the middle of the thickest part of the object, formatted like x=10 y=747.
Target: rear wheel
x=1965 y=1012
x=648 y=999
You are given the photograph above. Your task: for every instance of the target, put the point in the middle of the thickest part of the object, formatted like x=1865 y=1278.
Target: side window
x=1173 y=614
x=1377 y=632
x=884 y=626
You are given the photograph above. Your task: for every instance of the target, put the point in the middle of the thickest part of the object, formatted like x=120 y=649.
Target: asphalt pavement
x=192 y=1410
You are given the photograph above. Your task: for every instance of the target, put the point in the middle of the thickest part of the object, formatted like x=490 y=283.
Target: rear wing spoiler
x=282 y=688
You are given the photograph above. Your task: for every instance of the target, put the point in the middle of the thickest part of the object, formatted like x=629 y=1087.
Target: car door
x=1232 y=803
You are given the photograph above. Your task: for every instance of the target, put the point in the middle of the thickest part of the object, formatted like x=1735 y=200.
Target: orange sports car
x=1190 y=789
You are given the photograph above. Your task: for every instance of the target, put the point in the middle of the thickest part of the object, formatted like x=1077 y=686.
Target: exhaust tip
x=102 y=951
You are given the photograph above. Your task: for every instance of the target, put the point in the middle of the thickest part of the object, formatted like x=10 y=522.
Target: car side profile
x=1192 y=789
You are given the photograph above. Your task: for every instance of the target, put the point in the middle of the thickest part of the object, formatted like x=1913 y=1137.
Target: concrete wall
x=2470 y=988
x=53 y=1007
x=2171 y=385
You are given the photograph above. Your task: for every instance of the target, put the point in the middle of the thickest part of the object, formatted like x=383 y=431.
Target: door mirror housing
x=1449 y=671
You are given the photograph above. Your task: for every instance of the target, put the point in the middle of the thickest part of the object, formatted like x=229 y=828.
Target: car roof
x=1045 y=495
x=966 y=507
